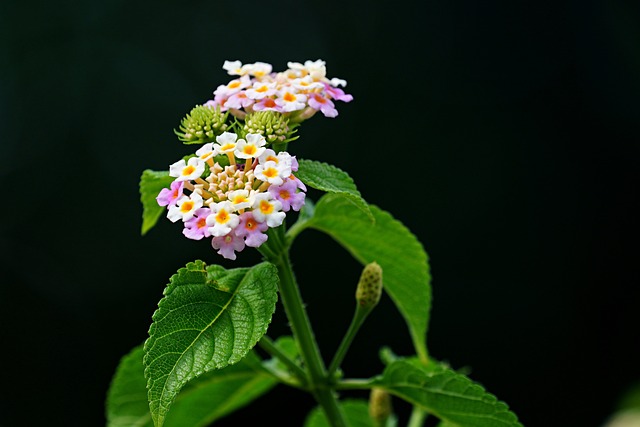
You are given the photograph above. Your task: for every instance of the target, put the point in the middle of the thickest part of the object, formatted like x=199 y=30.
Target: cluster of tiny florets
x=299 y=92
x=233 y=191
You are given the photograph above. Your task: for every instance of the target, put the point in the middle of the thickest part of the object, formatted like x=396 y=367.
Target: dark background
x=503 y=134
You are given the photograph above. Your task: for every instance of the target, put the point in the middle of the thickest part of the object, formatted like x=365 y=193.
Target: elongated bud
x=369 y=287
x=379 y=406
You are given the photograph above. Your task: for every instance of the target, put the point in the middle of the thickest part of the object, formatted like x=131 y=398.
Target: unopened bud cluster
x=272 y=125
x=202 y=124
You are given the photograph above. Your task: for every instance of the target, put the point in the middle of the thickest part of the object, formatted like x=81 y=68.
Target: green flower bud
x=202 y=125
x=379 y=406
x=369 y=287
x=272 y=125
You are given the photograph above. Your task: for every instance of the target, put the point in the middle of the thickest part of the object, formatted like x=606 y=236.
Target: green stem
x=301 y=327
x=358 y=319
x=269 y=346
x=418 y=416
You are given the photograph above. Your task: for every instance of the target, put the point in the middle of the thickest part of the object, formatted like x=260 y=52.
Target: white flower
x=240 y=199
x=306 y=83
x=186 y=171
x=258 y=69
x=185 y=207
x=267 y=209
x=234 y=86
x=261 y=90
x=222 y=220
x=272 y=172
x=251 y=148
x=291 y=101
x=207 y=152
x=234 y=68
x=225 y=142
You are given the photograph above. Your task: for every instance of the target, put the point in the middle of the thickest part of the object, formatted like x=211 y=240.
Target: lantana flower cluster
x=300 y=91
x=233 y=191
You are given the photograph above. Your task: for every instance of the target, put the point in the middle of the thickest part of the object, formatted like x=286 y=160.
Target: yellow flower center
x=266 y=207
x=188 y=170
x=222 y=217
x=187 y=206
x=270 y=173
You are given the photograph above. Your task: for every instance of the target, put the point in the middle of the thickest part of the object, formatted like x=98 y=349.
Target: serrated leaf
x=328 y=178
x=201 y=401
x=209 y=318
x=452 y=397
x=151 y=183
x=405 y=268
x=355 y=412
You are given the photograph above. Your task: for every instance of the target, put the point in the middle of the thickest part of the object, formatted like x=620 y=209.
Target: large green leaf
x=201 y=401
x=450 y=396
x=388 y=242
x=209 y=318
x=151 y=182
x=328 y=178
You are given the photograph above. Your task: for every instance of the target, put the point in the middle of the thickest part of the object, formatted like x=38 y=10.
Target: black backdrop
x=507 y=133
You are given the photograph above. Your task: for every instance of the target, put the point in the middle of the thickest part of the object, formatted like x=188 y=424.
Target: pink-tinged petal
x=337 y=93
x=239 y=101
x=196 y=228
x=228 y=245
x=251 y=230
x=323 y=104
x=288 y=195
x=168 y=196
x=267 y=104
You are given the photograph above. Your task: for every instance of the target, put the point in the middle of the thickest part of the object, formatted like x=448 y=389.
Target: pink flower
x=168 y=196
x=287 y=195
x=196 y=228
x=323 y=104
x=251 y=230
x=337 y=93
x=227 y=245
x=238 y=101
x=267 y=104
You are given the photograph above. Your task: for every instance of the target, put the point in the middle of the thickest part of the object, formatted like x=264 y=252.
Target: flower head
x=297 y=92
